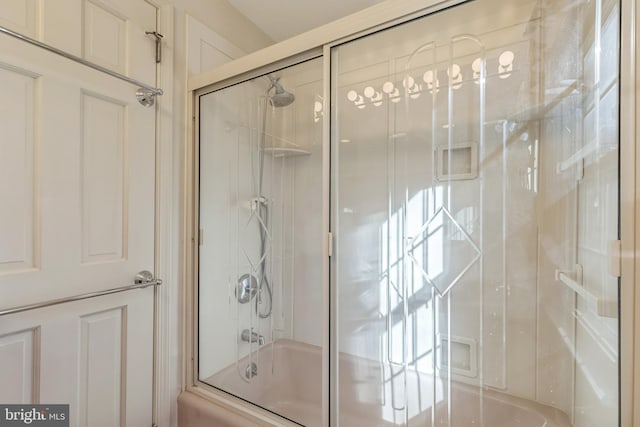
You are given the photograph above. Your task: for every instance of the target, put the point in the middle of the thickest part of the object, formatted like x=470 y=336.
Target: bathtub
x=289 y=384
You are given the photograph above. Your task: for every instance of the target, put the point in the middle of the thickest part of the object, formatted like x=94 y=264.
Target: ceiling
x=282 y=19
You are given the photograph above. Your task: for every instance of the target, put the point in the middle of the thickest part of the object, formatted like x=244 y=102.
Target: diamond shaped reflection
x=250 y=241
x=441 y=252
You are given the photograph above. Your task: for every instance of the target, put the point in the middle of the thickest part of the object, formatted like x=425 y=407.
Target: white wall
x=225 y=20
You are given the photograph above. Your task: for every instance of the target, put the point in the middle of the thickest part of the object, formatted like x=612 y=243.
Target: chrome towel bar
x=145 y=94
x=144 y=279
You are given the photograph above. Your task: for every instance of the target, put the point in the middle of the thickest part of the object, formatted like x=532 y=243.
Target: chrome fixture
x=143 y=279
x=146 y=94
x=158 y=38
x=145 y=97
x=143 y=276
x=251 y=371
x=247 y=288
x=281 y=98
x=250 y=336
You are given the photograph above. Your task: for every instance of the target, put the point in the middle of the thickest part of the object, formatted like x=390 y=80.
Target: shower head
x=280 y=98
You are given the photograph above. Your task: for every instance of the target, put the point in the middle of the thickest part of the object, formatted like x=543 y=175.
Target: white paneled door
x=77 y=162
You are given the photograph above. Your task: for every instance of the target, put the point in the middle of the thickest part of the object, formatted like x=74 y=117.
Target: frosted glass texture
x=474 y=199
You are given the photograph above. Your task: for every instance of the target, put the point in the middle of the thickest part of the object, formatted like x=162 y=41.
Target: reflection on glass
x=472 y=211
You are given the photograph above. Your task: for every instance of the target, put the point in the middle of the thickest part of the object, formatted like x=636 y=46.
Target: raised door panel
x=78 y=192
x=19 y=16
x=105 y=36
x=60 y=24
x=18 y=216
x=77 y=198
x=18 y=366
x=104 y=195
x=142 y=46
x=95 y=355
x=115 y=36
x=111 y=33
x=102 y=365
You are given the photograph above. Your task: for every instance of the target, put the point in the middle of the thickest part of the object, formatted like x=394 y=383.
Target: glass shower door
x=474 y=202
x=259 y=307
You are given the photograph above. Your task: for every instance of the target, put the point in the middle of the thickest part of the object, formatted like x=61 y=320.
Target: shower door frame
x=318 y=43
x=191 y=322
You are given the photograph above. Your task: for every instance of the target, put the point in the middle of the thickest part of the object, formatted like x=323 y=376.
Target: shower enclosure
x=418 y=225
x=260 y=286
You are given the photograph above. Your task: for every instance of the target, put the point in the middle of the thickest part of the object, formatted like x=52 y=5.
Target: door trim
x=166 y=378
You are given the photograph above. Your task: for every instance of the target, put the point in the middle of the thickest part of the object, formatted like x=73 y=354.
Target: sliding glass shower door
x=475 y=207
x=259 y=223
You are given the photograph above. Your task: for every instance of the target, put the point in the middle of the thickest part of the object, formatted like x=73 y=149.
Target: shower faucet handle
x=256 y=202
x=251 y=336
